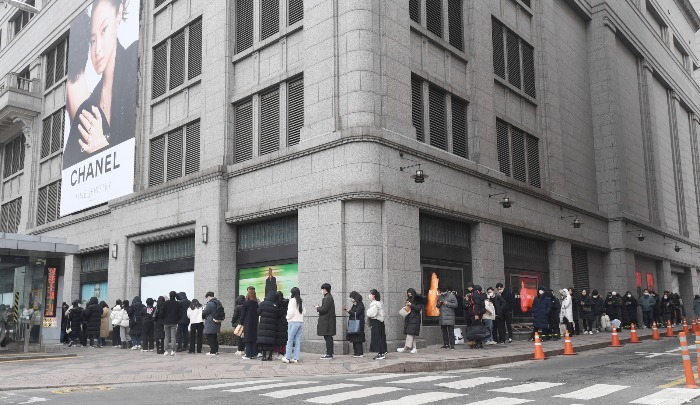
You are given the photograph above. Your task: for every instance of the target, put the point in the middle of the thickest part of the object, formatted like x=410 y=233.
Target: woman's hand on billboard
x=91 y=130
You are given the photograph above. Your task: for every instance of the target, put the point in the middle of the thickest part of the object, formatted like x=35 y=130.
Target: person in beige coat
x=105 y=324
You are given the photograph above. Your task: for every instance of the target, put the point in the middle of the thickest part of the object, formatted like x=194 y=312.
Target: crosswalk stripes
x=225 y=385
x=668 y=396
x=377 y=377
x=471 y=382
x=269 y=386
x=357 y=394
x=527 y=387
x=592 y=392
x=426 y=378
x=308 y=390
x=420 y=399
x=501 y=401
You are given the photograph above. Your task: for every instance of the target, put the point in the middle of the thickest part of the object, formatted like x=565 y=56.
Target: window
x=414 y=10
x=454 y=14
x=436 y=113
x=527 y=3
x=94 y=262
x=417 y=107
x=159 y=2
x=56 y=62
x=269 y=18
x=49 y=206
x=244 y=25
x=513 y=58
x=174 y=154
x=459 y=128
x=269 y=122
x=21 y=19
x=14 y=156
x=295 y=111
x=243 y=127
x=182 y=54
x=518 y=154
x=10 y=215
x=433 y=16
x=52 y=133
x=296 y=11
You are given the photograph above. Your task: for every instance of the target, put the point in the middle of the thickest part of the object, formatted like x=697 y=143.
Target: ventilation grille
x=274 y=232
x=270 y=18
x=433 y=11
x=156 y=168
x=459 y=128
x=533 y=161
x=194 y=55
x=526 y=248
x=177 y=60
x=296 y=11
x=11 y=216
x=243 y=140
x=94 y=262
x=436 y=107
x=57 y=129
x=159 y=2
x=579 y=262
x=50 y=66
x=503 y=146
x=295 y=111
x=499 y=61
x=192 y=150
x=417 y=108
x=160 y=69
x=526 y=2
x=269 y=122
x=512 y=44
x=454 y=12
x=414 y=10
x=14 y=156
x=41 y=206
x=46 y=137
x=518 y=142
x=529 y=70
x=60 y=60
x=443 y=232
x=244 y=25
x=174 y=153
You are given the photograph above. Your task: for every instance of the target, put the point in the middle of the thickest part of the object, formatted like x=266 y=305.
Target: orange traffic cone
x=633 y=335
x=669 y=330
x=655 y=333
x=693 y=326
x=696 y=328
x=697 y=352
x=687 y=365
x=539 y=353
x=685 y=328
x=615 y=339
x=568 y=347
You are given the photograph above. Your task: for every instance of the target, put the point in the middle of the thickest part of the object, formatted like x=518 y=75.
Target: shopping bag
x=239 y=331
x=459 y=338
x=354 y=325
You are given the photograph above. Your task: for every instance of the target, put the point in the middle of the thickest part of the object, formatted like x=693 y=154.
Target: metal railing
x=14 y=81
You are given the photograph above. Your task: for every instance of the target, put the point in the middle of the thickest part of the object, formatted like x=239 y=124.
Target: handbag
x=478 y=331
x=239 y=331
x=354 y=325
x=459 y=338
x=403 y=312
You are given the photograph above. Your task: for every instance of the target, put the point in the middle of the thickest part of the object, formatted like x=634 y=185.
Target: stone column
x=561 y=272
x=71 y=280
x=486 y=243
x=664 y=272
x=619 y=270
x=650 y=141
x=688 y=281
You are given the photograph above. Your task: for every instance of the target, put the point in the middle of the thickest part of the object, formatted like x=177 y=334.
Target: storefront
x=526 y=268
x=93 y=276
x=167 y=265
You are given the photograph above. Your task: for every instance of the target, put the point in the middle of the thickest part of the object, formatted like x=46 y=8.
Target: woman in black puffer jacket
x=282 y=324
x=267 y=327
x=136 y=322
x=411 y=323
x=92 y=314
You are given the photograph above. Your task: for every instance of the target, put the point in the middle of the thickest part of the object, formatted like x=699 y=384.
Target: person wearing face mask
x=647 y=302
x=554 y=317
x=667 y=308
x=585 y=306
x=447 y=304
x=696 y=306
x=541 y=306
x=629 y=310
x=326 y=320
x=613 y=305
x=679 y=309
x=412 y=321
x=598 y=309
x=507 y=303
x=357 y=311
x=576 y=310
x=489 y=314
x=566 y=313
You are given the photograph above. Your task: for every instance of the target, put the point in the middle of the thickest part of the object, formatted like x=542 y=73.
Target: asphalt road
x=649 y=374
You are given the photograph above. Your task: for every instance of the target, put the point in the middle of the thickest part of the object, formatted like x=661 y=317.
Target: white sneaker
x=259 y=354
x=401 y=349
x=285 y=360
x=414 y=351
x=166 y=353
x=172 y=352
x=211 y=354
x=238 y=353
x=134 y=347
x=294 y=361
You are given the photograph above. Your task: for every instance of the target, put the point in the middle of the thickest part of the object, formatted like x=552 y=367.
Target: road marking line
x=308 y=390
x=34 y=400
x=528 y=387
x=669 y=396
x=673 y=383
x=377 y=377
x=471 y=382
x=594 y=391
x=421 y=399
x=267 y=386
x=501 y=401
x=423 y=379
x=233 y=384
x=344 y=396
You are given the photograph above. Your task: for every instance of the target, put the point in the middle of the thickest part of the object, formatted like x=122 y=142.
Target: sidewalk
x=114 y=366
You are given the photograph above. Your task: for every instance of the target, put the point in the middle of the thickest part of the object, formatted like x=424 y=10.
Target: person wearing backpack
x=148 y=322
x=213 y=314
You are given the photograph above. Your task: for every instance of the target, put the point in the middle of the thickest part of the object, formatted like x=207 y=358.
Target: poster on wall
x=524 y=286
x=101 y=93
x=650 y=281
x=452 y=278
x=286 y=276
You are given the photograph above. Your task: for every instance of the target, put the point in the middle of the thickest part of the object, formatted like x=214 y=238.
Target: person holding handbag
x=295 y=321
x=356 y=324
x=411 y=322
x=375 y=315
x=238 y=330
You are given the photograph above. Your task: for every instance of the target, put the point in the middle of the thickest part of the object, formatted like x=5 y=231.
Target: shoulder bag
x=354 y=325
x=239 y=331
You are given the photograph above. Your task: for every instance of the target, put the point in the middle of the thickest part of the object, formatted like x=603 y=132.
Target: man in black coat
x=135 y=313
x=268 y=312
x=184 y=321
x=270 y=283
x=507 y=302
x=171 y=317
x=554 y=316
x=75 y=319
x=92 y=314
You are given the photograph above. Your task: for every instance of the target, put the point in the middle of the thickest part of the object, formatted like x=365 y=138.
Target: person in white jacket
x=375 y=316
x=490 y=315
x=295 y=321
x=566 y=315
x=121 y=319
x=194 y=313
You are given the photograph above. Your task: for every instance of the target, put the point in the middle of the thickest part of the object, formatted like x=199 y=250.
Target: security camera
x=677 y=248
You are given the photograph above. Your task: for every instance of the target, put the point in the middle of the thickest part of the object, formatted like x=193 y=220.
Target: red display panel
x=51 y=288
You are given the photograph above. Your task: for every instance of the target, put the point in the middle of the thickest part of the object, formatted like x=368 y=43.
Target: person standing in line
x=183 y=323
x=171 y=317
x=447 y=304
x=281 y=336
x=575 y=310
x=541 y=306
x=326 y=320
x=507 y=303
x=412 y=321
x=104 y=324
x=249 y=320
x=148 y=325
x=587 y=314
x=124 y=324
x=92 y=314
x=136 y=322
x=64 y=323
x=375 y=314
x=489 y=315
x=116 y=340
x=696 y=306
x=270 y=283
x=194 y=314
x=647 y=302
x=75 y=317
x=159 y=326
x=667 y=308
x=357 y=312
x=267 y=325
x=554 y=317
x=598 y=309
x=295 y=322
x=211 y=325
x=566 y=313
x=235 y=321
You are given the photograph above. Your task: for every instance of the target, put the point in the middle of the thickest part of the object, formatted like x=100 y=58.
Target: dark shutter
x=295 y=111
x=269 y=122
x=527 y=3
x=533 y=161
x=160 y=69
x=41 y=206
x=243 y=138
x=459 y=128
x=513 y=47
x=177 y=60
x=22 y=147
x=529 y=70
x=194 y=50
x=296 y=11
x=518 y=144
x=156 y=167
x=50 y=63
x=433 y=12
x=7 y=169
x=174 y=150
x=46 y=137
x=579 y=262
x=499 y=61
x=414 y=10
x=503 y=146
x=192 y=150
x=436 y=109
x=4 y=217
x=244 y=25
x=454 y=13
x=60 y=60
x=18 y=215
x=417 y=107
x=57 y=131
x=269 y=18
x=11 y=216
x=63 y=128
x=52 y=202
x=159 y=2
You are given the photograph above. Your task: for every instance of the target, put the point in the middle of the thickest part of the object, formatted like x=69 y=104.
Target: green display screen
x=287 y=276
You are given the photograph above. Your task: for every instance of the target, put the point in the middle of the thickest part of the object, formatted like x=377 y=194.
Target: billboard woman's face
x=103 y=42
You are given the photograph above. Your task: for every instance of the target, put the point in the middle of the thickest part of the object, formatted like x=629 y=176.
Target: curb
x=37 y=356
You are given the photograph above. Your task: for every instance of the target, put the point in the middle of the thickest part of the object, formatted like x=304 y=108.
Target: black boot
x=123 y=345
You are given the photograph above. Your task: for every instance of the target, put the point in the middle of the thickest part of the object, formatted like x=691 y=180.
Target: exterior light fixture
x=115 y=248
x=420 y=175
x=640 y=235
x=205 y=234
x=505 y=201
x=576 y=222
x=677 y=248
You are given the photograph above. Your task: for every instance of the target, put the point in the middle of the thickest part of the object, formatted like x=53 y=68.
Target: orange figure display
x=527 y=296
x=431 y=309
